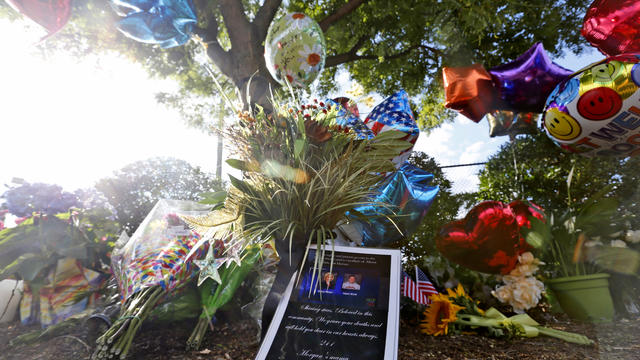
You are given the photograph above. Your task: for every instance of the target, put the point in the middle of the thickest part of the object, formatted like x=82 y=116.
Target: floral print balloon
x=295 y=49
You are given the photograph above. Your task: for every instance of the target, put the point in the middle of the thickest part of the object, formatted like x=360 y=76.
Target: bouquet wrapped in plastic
x=153 y=262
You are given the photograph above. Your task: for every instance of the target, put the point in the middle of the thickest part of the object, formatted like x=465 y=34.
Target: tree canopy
x=532 y=167
x=382 y=44
x=134 y=189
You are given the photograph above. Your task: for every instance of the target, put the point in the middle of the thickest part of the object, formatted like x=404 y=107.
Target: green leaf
x=231 y=277
x=27 y=266
x=534 y=239
x=298 y=146
x=237 y=164
x=213 y=197
x=538 y=235
x=597 y=196
x=598 y=213
x=241 y=185
x=388 y=135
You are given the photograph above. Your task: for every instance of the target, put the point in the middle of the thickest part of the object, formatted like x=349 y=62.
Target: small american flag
x=420 y=291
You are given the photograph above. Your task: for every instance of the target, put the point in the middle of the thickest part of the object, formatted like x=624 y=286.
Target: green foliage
x=570 y=187
x=384 y=45
x=540 y=174
x=560 y=239
x=302 y=175
x=406 y=43
x=134 y=189
x=29 y=251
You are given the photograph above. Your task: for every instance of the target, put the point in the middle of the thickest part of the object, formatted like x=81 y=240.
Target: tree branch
x=209 y=37
x=345 y=10
x=352 y=55
x=265 y=16
x=238 y=26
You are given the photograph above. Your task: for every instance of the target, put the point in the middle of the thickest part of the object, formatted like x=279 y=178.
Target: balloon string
x=515 y=169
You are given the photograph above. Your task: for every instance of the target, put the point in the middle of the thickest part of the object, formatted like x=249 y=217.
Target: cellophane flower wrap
x=157 y=252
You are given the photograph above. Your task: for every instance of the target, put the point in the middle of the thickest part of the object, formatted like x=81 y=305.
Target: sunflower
x=459 y=292
x=460 y=298
x=439 y=314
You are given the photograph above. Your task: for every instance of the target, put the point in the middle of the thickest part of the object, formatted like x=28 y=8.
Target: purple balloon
x=525 y=83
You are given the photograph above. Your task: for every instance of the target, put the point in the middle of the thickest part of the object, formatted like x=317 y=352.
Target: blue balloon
x=167 y=23
x=408 y=197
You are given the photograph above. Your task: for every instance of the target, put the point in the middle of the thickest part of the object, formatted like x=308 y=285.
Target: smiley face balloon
x=596 y=112
x=295 y=50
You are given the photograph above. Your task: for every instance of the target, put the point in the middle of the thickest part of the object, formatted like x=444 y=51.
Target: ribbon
x=526 y=325
x=167 y=23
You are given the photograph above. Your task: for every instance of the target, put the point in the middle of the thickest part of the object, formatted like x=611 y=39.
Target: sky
x=72 y=122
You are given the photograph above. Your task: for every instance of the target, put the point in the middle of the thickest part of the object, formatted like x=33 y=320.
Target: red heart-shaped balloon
x=488 y=239
x=51 y=14
x=612 y=26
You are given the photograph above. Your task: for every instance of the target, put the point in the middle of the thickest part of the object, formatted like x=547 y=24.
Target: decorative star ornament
x=209 y=267
x=525 y=83
x=232 y=255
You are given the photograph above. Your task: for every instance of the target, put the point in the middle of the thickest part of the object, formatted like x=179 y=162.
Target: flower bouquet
x=148 y=266
x=456 y=312
x=305 y=171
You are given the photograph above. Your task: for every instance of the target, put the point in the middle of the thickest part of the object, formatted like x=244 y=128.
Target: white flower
x=521 y=290
x=633 y=236
x=522 y=294
x=526 y=258
x=527 y=266
x=618 y=244
x=310 y=57
x=298 y=21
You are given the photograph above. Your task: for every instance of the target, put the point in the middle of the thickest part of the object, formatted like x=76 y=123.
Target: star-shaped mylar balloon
x=525 y=83
x=469 y=90
x=209 y=267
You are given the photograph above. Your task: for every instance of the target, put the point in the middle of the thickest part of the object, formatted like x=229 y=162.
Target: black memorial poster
x=348 y=311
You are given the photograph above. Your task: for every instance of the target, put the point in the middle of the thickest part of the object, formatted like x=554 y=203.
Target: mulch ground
x=238 y=340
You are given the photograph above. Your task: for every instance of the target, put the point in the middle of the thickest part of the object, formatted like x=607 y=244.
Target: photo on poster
x=352 y=282
x=344 y=310
x=329 y=279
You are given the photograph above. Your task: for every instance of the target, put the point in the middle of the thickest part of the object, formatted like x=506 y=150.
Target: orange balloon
x=469 y=90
